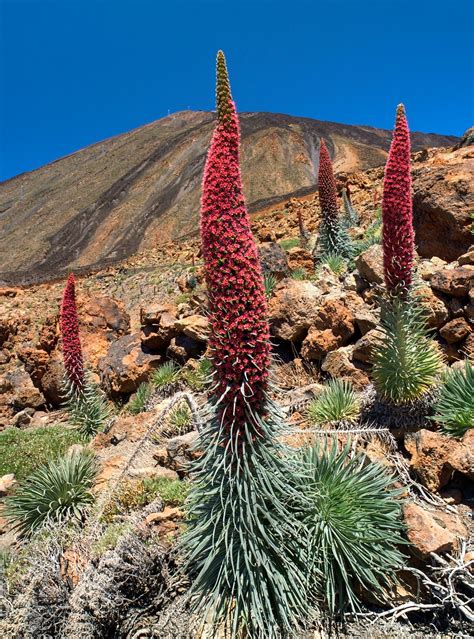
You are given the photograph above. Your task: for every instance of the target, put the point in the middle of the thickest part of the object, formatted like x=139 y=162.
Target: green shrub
x=406 y=362
x=198 y=378
x=269 y=282
x=337 y=402
x=350 y=217
x=135 y=494
x=109 y=538
x=335 y=262
x=173 y=492
x=180 y=419
x=23 y=451
x=139 y=401
x=353 y=523
x=333 y=241
x=290 y=243
x=182 y=298
x=299 y=274
x=455 y=405
x=59 y=491
x=87 y=411
x=166 y=376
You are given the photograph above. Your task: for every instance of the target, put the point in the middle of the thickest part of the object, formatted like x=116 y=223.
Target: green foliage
x=290 y=243
x=23 y=451
x=198 y=378
x=350 y=217
x=338 y=402
x=243 y=541
x=139 y=401
x=406 y=363
x=135 y=494
x=353 y=524
x=59 y=491
x=173 y=492
x=333 y=240
x=87 y=411
x=299 y=274
x=455 y=405
x=335 y=262
x=180 y=419
x=182 y=298
x=269 y=282
x=165 y=376
x=109 y=538
x=372 y=235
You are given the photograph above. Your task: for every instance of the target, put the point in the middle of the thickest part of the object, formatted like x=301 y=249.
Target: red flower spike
x=397 y=216
x=238 y=310
x=69 y=324
x=327 y=187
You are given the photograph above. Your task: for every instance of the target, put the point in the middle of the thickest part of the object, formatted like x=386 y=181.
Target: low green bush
x=59 y=491
x=406 y=362
x=23 y=451
x=165 y=376
x=87 y=411
x=198 y=378
x=353 y=523
x=139 y=401
x=290 y=243
x=454 y=409
x=338 y=402
x=269 y=283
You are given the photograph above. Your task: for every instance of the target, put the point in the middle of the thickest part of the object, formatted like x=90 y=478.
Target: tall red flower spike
x=397 y=232
x=238 y=309
x=327 y=188
x=72 y=351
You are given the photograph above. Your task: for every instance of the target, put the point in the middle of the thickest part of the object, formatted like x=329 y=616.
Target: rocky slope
x=151 y=308
x=136 y=190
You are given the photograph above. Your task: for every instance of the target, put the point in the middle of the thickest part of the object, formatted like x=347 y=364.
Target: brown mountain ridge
x=133 y=191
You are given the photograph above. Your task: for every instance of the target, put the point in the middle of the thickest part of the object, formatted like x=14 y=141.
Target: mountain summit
x=132 y=191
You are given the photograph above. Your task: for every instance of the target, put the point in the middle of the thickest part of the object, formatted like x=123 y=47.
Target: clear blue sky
x=76 y=71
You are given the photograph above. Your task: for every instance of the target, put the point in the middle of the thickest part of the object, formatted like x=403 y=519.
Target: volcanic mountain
x=135 y=190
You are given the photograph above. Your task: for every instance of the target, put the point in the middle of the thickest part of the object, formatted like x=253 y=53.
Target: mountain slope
x=133 y=191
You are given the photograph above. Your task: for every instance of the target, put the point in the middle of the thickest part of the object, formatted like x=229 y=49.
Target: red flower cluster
x=398 y=235
x=238 y=309
x=327 y=188
x=72 y=352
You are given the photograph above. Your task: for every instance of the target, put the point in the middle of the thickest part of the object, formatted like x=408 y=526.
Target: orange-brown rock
x=167 y=513
x=110 y=469
x=365 y=346
x=443 y=198
x=338 y=364
x=6 y=484
x=126 y=365
x=455 y=330
x=152 y=314
x=436 y=312
x=370 y=264
x=102 y=320
x=300 y=258
x=158 y=335
x=194 y=326
x=435 y=457
x=454 y=281
x=467 y=258
x=432 y=531
x=332 y=327
x=293 y=309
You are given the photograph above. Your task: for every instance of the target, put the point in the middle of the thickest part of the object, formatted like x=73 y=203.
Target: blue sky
x=76 y=71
